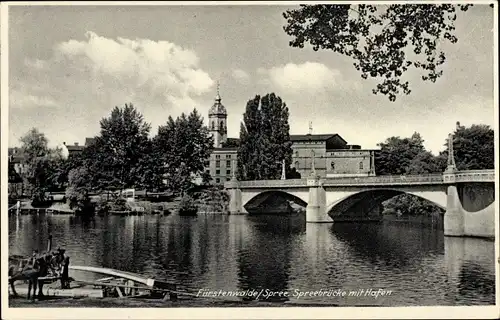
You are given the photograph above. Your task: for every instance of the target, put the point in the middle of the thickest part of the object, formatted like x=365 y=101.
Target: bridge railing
x=393 y=179
x=435 y=178
x=474 y=176
x=274 y=183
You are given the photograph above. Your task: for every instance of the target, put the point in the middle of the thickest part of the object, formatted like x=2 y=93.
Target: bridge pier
x=235 y=198
x=316 y=206
x=454 y=216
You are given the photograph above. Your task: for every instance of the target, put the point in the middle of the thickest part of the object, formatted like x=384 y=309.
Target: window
x=228 y=156
x=228 y=172
x=361 y=165
x=217 y=163
x=217 y=171
x=228 y=163
x=333 y=165
x=217 y=180
x=217 y=156
x=213 y=125
x=228 y=179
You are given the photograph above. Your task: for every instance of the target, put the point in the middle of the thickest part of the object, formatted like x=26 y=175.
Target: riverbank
x=56 y=302
x=205 y=199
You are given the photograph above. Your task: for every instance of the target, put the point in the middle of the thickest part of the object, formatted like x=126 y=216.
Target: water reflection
x=214 y=252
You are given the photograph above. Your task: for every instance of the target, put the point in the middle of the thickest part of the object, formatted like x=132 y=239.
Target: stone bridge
x=467 y=196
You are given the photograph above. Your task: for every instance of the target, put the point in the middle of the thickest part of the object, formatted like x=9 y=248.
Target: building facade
x=333 y=156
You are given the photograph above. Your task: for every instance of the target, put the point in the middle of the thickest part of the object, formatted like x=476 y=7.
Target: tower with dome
x=217 y=121
x=223 y=160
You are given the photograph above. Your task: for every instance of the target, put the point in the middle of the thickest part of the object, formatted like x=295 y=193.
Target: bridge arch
x=376 y=196
x=273 y=200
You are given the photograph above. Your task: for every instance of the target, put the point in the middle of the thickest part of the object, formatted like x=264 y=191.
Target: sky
x=69 y=66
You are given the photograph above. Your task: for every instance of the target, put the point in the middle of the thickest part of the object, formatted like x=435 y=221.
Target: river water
x=413 y=265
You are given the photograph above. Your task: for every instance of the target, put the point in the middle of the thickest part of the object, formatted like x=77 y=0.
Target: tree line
x=473 y=150
x=123 y=155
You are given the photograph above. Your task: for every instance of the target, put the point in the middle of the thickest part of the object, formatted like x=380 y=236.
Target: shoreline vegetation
x=208 y=200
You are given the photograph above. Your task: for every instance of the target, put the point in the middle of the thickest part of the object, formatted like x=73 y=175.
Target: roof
x=231 y=143
x=314 y=137
x=15 y=158
x=217 y=108
x=89 y=141
x=14 y=150
x=74 y=148
x=227 y=149
x=14 y=177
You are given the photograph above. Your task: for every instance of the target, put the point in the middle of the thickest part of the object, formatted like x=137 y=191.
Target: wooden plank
x=119 y=290
x=105 y=279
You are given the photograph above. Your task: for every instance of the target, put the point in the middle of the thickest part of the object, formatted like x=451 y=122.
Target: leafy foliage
x=41 y=164
x=187 y=206
x=118 y=157
x=264 y=139
x=182 y=147
x=404 y=156
x=79 y=186
x=384 y=41
x=407 y=204
x=474 y=148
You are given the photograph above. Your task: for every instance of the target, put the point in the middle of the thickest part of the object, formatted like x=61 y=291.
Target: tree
x=249 y=156
x=404 y=156
x=40 y=163
x=117 y=156
x=474 y=148
x=264 y=139
x=182 y=147
x=410 y=205
x=79 y=186
x=384 y=41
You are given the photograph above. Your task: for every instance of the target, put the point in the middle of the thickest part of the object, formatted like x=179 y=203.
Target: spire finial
x=217 y=97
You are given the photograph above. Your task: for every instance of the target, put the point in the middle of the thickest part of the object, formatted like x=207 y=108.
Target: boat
x=120 y=212
x=119 y=283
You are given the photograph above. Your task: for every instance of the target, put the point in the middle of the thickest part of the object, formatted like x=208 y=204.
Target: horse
x=35 y=268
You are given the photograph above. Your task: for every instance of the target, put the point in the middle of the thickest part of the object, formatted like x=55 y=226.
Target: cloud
x=240 y=75
x=85 y=78
x=23 y=99
x=309 y=76
x=161 y=66
x=36 y=64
